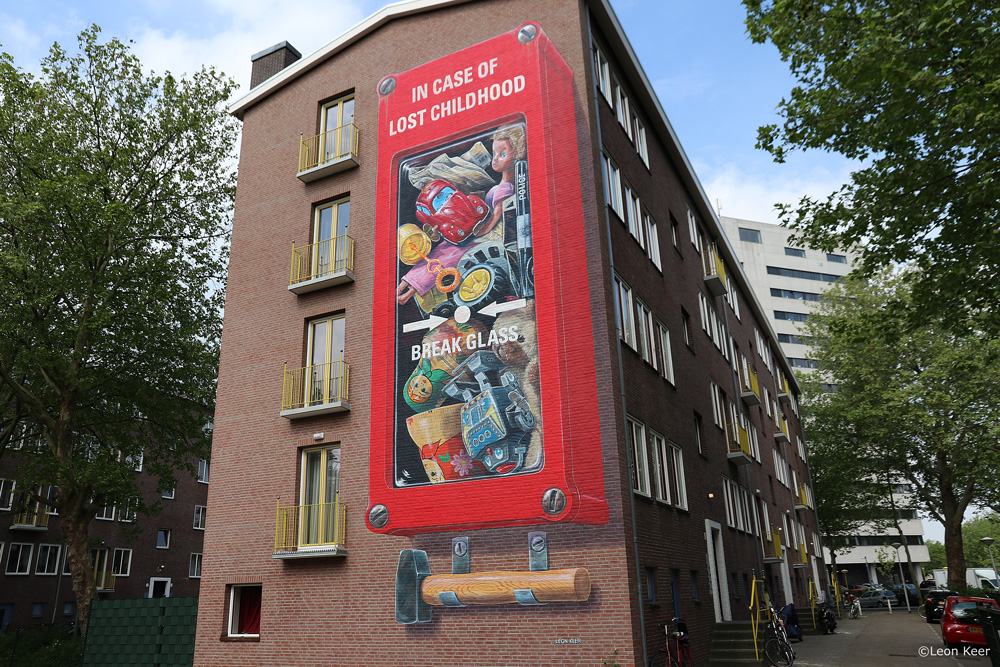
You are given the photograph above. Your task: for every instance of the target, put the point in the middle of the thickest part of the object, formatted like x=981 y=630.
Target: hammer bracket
x=525 y=597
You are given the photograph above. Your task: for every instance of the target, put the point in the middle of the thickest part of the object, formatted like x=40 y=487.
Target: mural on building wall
x=482 y=310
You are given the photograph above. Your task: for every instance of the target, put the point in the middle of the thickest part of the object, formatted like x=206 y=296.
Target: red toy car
x=961 y=622
x=446 y=212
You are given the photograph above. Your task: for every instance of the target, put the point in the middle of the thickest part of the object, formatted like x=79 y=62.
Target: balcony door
x=338 y=129
x=320 y=486
x=331 y=229
x=326 y=352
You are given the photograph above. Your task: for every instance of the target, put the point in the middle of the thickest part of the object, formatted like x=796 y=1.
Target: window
x=686 y=323
x=798 y=362
x=795 y=339
x=640 y=140
x=718 y=404
x=678 y=483
x=663 y=359
x=338 y=129
x=661 y=468
x=6 y=494
x=163 y=539
x=320 y=490
x=795 y=252
x=613 y=187
x=805 y=275
x=602 y=73
x=169 y=494
x=51 y=494
x=697 y=433
x=789 y=316
x=838 y=259
x=37 y=609
x=69 y=608
x=330 y=230
x=780 y=467
x=19 y=558
x=622 y=110
x=633 y=210
x=795 y=294
x=675 y=591
x=749 y=235
x=203 y=471
x=732 y=297
x=693 y=229
x=694 y=584
x=128 y=512
x=652 y=240
x=737 y=506
x=644 y=331
x=121 y=563
x=194 y=567
x=626 y=327
x=106 y=513
x=651 y=585
x=640 y=475
x=48 y=559
x=199 y=517
x=673 y=230
x=135 y=461
x=244 y=611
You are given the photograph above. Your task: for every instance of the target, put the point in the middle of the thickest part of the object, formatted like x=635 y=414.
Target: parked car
x=874 y=598
x=961 y=622
x=912 y=593
x=927 y=584
x=935 y=603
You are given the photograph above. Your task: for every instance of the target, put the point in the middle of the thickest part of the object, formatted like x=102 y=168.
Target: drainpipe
x=621 y=369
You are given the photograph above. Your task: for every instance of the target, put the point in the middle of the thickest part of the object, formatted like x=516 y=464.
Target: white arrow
x=430 y=323
x=496 y=307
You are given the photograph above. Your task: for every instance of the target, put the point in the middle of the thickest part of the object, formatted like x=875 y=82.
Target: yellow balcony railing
x=803 y=557
x=314 y=386
x=781 y=424
x=802 y=498
x=715 y=271
x=310 y=526
x=738 y=442
x=772 y=548
x=328 y=146
x=783 y=388
x=104 y=580
x=317 y=260
x=34 y=517
x=749 y=386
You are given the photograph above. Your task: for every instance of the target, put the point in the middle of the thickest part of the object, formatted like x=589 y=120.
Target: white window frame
x=644 y=331
x=203 y=471
x=622 y=110
x=194 y=566
x=637 y=433
x=613 y=187
x=200 y=512
x=660 y=466
x=169 y=494
x=234 y=603
x=6 y=494
x=664 y=358
x=106 y=513
x=166 y=533
x=652 y=240
x=718 y=404
x=602 y=74
x=678 y=476
x=626 y=310
x=633 y=213
x=19 y=546
x=693 y=229
x=128 y=512
x=640 y=140
x=121 y=557
x=47 y=550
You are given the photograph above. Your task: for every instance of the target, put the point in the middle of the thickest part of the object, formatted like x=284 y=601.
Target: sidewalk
x=883 y=640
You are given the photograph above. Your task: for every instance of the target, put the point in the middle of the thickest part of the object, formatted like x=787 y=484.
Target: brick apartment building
x=133 y=556
x=514 y=403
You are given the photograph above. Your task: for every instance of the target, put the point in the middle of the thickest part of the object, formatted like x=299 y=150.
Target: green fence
x=147 y=632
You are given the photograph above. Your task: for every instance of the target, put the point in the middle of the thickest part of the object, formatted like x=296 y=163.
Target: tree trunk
x=81 y=569
x=953 y=551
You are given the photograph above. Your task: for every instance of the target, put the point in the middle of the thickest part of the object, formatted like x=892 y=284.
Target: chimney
x=270 y=61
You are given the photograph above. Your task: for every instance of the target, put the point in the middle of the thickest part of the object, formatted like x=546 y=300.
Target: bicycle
x=777 y=648
x=855 y=609
x=922 y=610
x=678 y=655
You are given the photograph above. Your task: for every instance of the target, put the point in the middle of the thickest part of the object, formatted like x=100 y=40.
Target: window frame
x=749 y=235
x=625 y=304
x=48 y=560
x=339 y=103
x=26 y=561
x=613 y=187
x=235 y=597
x=602 y=71
x=204 y=471
x=166 y=533
x=196 y=557
x=118 y=557
x=661 y=467
x=637 y=435
x=200 y=515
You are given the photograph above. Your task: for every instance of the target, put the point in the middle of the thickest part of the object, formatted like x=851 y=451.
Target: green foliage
x=976 y=553
x=114 y=226
x=914 y=404
x=885 y=561
x=41 y=646
x=611 y=660
x=909 y=91
x=936 y=553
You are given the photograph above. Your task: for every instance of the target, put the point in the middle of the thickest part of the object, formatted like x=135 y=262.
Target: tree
x=118 y=188
x=937 y=555
x=984 y=525
x=908 y=90
x=923 y=400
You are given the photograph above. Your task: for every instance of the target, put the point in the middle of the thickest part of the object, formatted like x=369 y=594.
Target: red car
x=960 y=622
x=447 y=212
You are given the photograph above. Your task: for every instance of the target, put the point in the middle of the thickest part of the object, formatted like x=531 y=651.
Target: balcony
x=802 y=498
x=33 y=518
x=328 y=153
x=802 y=559
x=311 y=531
x=781 y=435
x=715 y=271
x=772 y=549
x=104 y=580
x=315 y=390
x=738 y=443
x=749 y=386
x=783 y=394
x=323 y=264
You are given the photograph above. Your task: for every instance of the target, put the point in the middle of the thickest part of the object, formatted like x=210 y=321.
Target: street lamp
x=906 y=593
x=988 y=541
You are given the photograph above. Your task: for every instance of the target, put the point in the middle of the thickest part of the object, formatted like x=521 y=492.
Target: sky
x=716 y=86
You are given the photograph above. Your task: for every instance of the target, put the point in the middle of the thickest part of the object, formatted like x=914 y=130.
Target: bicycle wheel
x=922 y=610
x=778 y=653
x=854 y=612
x=661 y=659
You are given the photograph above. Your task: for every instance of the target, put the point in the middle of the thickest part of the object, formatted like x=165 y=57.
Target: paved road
x=884 y=640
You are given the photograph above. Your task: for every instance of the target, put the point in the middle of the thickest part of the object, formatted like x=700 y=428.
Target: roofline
x=300 y=67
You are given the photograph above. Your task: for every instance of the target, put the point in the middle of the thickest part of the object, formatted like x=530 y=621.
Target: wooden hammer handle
x=572 y=585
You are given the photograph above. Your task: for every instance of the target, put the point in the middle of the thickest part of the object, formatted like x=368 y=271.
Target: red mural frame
x=572 y=439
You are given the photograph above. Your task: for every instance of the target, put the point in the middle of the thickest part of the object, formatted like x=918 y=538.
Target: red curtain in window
x=249 y=623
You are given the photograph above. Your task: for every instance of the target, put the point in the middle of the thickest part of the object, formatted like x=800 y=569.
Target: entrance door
x=320 y=485
x=717 y=572
x=332 y=226
x=159 y=587
x=326 y=351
